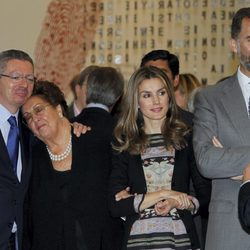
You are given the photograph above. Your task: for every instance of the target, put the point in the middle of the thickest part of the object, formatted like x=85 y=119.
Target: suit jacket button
x=14 y=202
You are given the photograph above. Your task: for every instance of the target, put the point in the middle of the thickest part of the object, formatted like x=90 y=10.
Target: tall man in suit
x=104 y=87
x=221 y=115
x=16 y=85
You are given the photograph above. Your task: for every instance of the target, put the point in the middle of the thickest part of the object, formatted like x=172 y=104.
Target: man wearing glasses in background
x=16 y=85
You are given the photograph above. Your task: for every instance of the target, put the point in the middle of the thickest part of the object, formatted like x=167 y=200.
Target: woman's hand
x=183 y=199
x=79 y=128
x=124 y=194
x=164 y=207
x=152 y=198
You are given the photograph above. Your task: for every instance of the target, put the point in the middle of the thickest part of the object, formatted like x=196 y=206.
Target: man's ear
x=77 y=90
x=84 y=88
x=176 y=81
x=233 y=45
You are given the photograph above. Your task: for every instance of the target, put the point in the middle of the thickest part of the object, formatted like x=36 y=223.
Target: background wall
x=64 y=36
x=20 y=23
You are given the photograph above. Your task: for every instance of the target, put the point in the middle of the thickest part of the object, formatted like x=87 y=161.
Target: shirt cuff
x=137 y=202
x=196 y=205
x=244 y=182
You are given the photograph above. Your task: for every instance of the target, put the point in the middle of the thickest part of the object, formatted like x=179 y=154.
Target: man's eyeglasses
x=19 y=77
x=37 y=110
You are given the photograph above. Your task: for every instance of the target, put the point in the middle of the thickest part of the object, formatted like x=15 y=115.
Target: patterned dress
x=152 y=231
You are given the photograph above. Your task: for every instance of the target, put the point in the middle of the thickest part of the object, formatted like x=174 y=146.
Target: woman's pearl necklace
x=63 y=155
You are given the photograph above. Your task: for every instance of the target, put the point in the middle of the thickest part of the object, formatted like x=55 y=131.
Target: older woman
x=67 y=203
x=153 y=156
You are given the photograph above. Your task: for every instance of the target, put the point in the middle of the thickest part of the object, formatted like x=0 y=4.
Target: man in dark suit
x=222 y=113
x=244 y=199
x=16 y=85
x=169 y=63
x=104 y=87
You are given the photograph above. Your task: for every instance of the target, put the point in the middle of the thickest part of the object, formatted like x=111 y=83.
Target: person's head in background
x=164 y=60
x=105 y=86
x=16 y=79
x=240 y=33
x=192 y=96
x=187 y=83
x=78 y=87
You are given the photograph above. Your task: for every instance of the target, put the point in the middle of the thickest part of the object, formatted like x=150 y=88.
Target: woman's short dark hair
x=51 y=93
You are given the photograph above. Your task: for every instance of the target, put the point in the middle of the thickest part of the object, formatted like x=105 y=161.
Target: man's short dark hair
x=165 y=55
x=12 y=54
x=237 y=21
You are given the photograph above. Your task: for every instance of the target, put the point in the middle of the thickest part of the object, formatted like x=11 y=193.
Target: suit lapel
x=24 y=144
x=4 y=157
x=234 y=105
x=5 y=163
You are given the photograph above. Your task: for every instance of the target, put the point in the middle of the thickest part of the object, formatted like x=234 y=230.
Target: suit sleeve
x=244 y=205
x=202 y=185
x=214 y=162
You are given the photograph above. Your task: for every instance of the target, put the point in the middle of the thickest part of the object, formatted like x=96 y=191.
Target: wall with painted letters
x=64 y=36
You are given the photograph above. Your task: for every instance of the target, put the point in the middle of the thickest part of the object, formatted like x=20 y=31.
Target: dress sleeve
x=119 y=180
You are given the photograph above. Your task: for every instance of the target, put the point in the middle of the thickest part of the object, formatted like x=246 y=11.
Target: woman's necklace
x=63 y=155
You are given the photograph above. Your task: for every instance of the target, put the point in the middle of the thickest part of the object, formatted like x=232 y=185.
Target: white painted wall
x=20 y=23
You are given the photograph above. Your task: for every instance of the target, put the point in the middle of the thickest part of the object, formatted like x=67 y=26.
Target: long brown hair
x=129 y=132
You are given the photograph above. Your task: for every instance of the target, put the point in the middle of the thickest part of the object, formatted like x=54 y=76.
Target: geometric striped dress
x=152 y=231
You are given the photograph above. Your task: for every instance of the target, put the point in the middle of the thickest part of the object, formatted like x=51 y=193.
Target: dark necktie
x=13 y=142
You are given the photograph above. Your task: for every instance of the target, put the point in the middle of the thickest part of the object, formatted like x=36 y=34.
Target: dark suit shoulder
x=185 y=116
x=96 y=117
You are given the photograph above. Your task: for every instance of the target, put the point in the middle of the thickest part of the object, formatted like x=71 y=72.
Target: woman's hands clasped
x=175 y=199
x=172 y=199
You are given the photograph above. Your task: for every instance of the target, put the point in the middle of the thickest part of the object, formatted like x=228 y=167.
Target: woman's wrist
x=163 y=194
